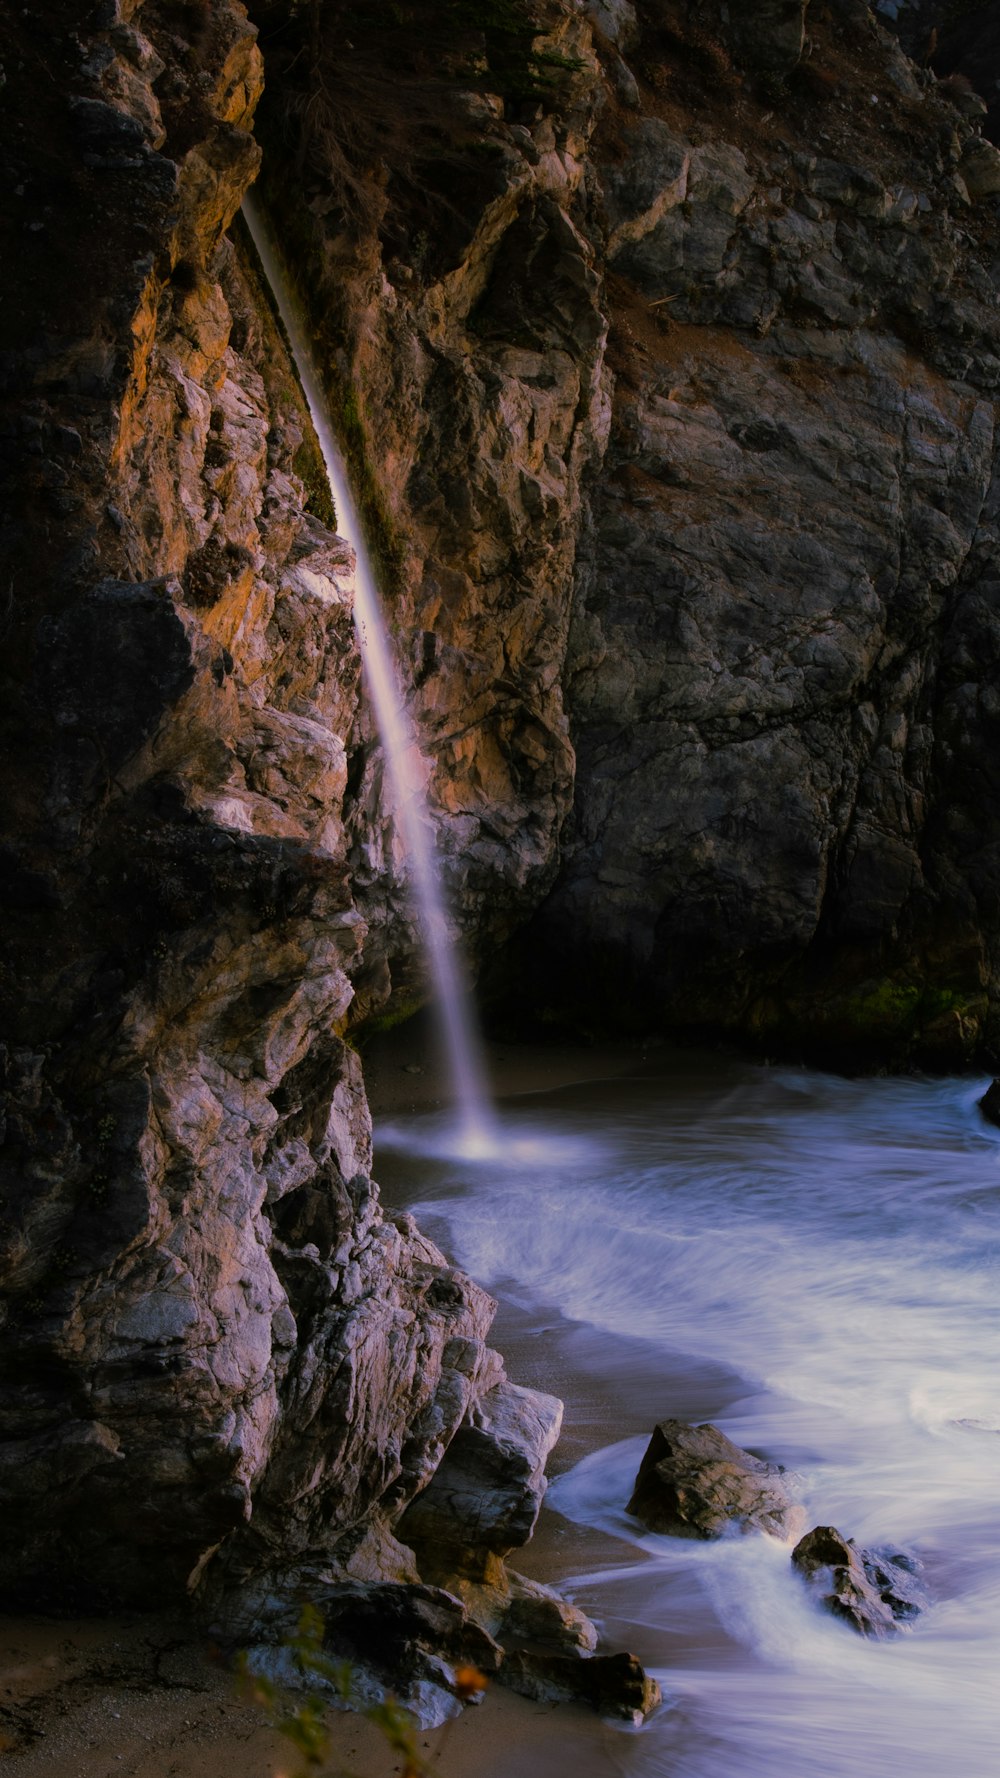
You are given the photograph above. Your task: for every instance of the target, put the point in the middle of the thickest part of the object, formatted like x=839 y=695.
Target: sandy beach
x=136 y=1697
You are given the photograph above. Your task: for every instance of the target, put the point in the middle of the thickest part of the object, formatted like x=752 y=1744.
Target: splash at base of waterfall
x=811 y=1263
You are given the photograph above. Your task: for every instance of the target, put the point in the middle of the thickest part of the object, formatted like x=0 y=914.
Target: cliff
x=676 y=351
x=665 y=356
x=226 y=1371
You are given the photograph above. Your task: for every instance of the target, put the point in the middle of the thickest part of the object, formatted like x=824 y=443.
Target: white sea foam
x=834 y=1247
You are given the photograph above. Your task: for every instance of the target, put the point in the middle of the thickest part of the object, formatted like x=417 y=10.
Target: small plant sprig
x=305 y=1724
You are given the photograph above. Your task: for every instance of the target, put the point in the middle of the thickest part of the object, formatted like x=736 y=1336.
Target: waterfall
x=459 y=1036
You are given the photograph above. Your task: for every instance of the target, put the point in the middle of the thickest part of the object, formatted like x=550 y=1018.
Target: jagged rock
x=404 y=1640
x=873 y=1590
x=770 y=34
x=709 y=544
x=614 y=1685
x=214 y=1340
x=989 y=1104
x=694 y=1482
x=485 y=1494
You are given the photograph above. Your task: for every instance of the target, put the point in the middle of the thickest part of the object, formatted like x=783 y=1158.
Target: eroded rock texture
x=664 y=351
x=694 y=1482
x=224 y=1369
x=680 y=385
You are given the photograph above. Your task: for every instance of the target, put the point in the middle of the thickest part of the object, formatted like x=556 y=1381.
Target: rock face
x=875 y=1591
x=694 y=1482
x=682 y=401
x=485 y=1494
x=782 y=590
x=226 y=1370
x=667 y=366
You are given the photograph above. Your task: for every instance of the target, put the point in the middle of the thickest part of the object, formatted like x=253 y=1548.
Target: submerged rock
x=875 y=1591
x=694 y=1482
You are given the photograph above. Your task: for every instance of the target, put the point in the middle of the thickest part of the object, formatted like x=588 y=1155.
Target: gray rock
x=770 y=34
x=694 y=1482
x=486 y=1493
x=614 y=1685
x=875 y=1591
x=616 y=20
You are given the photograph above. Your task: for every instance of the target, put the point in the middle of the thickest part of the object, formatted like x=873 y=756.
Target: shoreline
x=131 y=1696
x=403 y=1074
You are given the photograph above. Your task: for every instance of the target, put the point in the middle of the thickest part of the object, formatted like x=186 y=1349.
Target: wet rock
x=694 y=1482
x=875 y=1591
x=613 y=1685
x=551 y=1653
x=989 y=1104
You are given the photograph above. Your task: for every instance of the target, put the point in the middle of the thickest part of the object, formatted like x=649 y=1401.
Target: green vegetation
x=904 y=1011
x=308 y=466
x=398 y=1012
x=491 y=43
x=304 y=1722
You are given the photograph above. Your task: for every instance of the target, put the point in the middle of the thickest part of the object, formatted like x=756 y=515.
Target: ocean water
x=812 y=1263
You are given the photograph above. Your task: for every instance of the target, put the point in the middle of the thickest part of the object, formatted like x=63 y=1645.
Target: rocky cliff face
x=665 y=354
x=680 y=382
x=226 y=1371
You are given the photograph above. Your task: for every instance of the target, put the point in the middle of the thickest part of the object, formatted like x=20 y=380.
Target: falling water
x=459 y=1036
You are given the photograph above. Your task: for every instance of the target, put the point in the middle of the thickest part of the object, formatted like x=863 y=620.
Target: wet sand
x=137 y=1698
x=403 y=1072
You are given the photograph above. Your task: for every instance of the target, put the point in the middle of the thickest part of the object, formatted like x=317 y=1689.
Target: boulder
x=694 y=1482
x=980 y=168
x=875 y=1591
x=538 y=1617
x=613 y=1685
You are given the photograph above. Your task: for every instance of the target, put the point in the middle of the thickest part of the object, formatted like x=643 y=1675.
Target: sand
x=141 y=1697
x=402 y=1072
x=135 y=1697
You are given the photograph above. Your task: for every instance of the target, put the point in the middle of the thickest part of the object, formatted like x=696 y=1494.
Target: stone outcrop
x=226 y=1370
x=780 y=631
x=875 y=1591
x=694 y=1482
x=728 y=308
x=665 y=354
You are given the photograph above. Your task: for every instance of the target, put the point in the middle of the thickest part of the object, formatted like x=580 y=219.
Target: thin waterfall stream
x=459 y=1034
